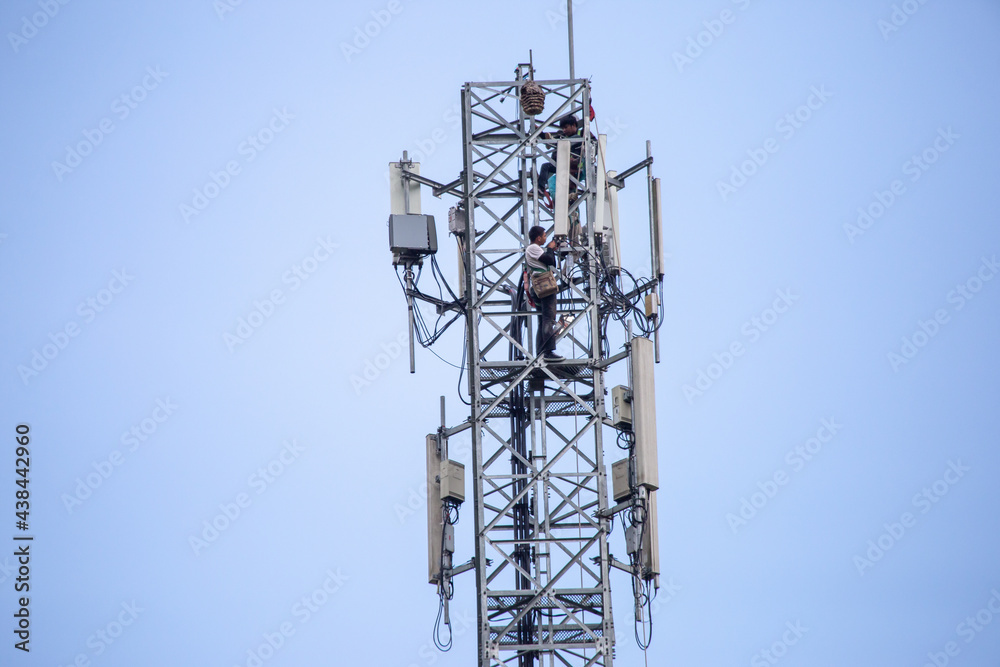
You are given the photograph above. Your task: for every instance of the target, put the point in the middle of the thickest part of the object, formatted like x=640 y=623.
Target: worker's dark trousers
x=545 y=340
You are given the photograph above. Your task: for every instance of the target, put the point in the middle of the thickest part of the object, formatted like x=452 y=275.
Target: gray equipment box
x=453 y=481
x=621 y=406
x=411 y=234
x=456 y=220
x=632 y=540
x=449 y=538
x=619 y=480
x=652 y=302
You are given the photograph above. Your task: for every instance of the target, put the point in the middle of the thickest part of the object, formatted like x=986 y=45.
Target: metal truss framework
x=539 y=480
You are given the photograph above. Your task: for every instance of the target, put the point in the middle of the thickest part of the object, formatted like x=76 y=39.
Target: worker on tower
x=541 y=262
x=568 y=127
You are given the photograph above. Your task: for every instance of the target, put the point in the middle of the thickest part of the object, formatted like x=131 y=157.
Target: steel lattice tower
x=539 y=481
x=538 y=464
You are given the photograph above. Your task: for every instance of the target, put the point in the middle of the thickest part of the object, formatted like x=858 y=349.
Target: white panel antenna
x=651 y=542
x=644 y=414
x=403 y=199
x=612 y=224
x=561 y=217
x=600 y=221
x=435 y=519
x=657 y=231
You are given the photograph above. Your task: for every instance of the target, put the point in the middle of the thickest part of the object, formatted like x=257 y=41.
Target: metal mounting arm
x=438 y=188
x=619 y=180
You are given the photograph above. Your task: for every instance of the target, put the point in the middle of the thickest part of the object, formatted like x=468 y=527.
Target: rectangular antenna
x=561 y=216
x=435 y=520
x=657 y=231
x=644 y=414
x=651 y=542
x=612 y=223
x=599 y=220
x=458 y=224
x=403 y=199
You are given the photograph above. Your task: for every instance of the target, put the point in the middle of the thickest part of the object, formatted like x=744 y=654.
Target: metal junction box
x=619 y=480
x=449 y=538
x=411 y=234
x=621 y=406
x=453 y=481
x=632 y=540
x=457 y=221
x=652 y=302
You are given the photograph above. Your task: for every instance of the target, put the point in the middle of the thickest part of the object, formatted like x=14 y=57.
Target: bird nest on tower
x=532 y=98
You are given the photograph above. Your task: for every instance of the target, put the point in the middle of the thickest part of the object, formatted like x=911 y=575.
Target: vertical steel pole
x=406 y=184
x=409 y=267
x=652 y=220
x=569 y=21
x=606 y=646
x=409 y=301
x=654 y=238
x=475 y=390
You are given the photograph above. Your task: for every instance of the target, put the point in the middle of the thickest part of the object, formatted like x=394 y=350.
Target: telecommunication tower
x=541 y=498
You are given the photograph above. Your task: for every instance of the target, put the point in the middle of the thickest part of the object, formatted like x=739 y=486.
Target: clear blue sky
x=170 y=170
